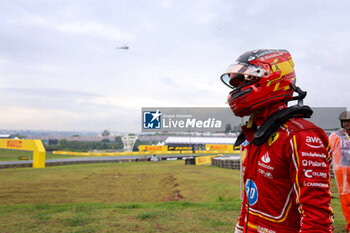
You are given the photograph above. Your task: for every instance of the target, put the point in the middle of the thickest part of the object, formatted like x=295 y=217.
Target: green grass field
x=165 y=196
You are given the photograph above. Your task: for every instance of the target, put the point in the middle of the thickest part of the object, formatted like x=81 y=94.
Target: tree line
x=85 y=146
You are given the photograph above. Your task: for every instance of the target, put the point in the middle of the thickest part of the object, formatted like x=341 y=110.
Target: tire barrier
x=230 y=162
x=200 y=160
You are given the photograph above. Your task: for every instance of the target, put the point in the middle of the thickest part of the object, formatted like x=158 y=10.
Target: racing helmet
x=344 y=116
x=259 y=78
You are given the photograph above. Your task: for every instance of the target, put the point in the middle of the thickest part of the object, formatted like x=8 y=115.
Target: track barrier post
x=34 y=145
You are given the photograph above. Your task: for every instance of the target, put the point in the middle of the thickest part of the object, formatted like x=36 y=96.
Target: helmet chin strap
x=301 y=94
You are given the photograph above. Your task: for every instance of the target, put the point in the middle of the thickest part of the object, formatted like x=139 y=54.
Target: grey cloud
x=49 y=98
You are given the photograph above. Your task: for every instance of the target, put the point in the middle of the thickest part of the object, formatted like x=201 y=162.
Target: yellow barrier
x=36 y=146
x=218 y=147
x=202 y=160
x=217 y=151
x=152 y=148
x=186 y=152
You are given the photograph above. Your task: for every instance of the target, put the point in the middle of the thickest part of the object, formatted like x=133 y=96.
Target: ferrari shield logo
x=273 y=138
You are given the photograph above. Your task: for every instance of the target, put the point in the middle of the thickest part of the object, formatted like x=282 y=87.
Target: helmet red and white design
x=259 y=78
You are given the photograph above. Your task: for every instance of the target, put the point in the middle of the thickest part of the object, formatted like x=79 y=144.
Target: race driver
x=286 y=158
x=340 y=148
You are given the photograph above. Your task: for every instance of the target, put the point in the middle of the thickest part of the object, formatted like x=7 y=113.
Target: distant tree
x=118 y=142
x=63 y=144
x=118 y=139
x=228 y=128
x=237 y=128
x=136 y=145
x=105 y=133
x=104 y=144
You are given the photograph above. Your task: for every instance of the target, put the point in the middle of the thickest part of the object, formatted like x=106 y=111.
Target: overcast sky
x=60 y=69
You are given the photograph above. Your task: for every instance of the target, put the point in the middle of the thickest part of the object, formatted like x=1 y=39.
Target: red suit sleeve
x=310 y=176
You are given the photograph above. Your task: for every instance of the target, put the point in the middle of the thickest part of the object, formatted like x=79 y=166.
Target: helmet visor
x=237 y=73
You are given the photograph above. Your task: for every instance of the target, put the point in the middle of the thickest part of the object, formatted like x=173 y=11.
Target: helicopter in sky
x=126 y=47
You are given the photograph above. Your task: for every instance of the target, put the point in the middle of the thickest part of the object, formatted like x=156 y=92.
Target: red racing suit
x=287 y=181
